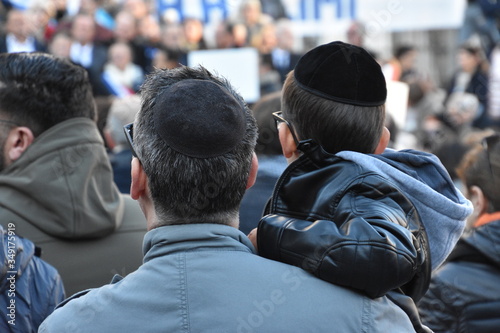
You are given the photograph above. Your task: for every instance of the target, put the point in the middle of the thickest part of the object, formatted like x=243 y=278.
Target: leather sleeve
x=368 y=246
x=374 y=258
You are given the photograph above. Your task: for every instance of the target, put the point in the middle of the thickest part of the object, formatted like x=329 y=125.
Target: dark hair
x=187 y=189
x=403 y=50
x=333 y=125
x=268 y=142
x=38 y=90
x=481 y=167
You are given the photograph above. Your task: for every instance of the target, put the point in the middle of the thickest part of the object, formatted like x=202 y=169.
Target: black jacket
x=347 y=225
x=464 y=295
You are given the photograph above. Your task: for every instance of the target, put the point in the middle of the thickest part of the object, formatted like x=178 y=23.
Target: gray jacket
x=207 y=278
x=60 y=195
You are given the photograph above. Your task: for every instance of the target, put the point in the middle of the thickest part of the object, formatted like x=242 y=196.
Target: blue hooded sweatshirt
x=422 y=177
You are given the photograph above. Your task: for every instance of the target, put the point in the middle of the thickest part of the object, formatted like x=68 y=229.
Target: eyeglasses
x=129 y=134
x=488 y=143
x=278 y=118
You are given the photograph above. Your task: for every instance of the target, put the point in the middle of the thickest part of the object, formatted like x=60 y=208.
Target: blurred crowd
x=119 y=42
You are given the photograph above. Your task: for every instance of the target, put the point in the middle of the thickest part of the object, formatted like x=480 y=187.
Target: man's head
x=17 y=24
x=38 y=91
x=83 y=29
x=194 y=138
x=335 y=96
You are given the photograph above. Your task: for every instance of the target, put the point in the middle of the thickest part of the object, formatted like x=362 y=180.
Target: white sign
x=399 y=15
x=239 y=66
x=396 y=103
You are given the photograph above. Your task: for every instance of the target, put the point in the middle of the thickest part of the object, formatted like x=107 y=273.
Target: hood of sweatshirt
x=422 y=177
x=63 y=184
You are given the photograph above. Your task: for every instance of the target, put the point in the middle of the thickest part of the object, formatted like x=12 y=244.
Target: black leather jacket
x=346 y=225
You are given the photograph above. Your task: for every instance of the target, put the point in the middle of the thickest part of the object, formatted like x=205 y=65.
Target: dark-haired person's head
x=479 y=172
x=335 y=96
x=194 y=138
x=38 y=91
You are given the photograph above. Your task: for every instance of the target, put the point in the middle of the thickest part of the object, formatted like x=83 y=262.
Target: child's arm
x=375 y=242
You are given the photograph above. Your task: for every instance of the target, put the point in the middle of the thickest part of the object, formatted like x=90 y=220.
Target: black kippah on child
x=343 y=73
x=199 y=118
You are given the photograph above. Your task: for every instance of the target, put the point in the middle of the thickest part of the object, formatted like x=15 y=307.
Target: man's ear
x=253 y=171
x=288 y=145
x=384 y=141
x=18 y=140
x=139 y=184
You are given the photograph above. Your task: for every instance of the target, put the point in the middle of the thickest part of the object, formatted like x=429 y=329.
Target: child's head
x=335 y=96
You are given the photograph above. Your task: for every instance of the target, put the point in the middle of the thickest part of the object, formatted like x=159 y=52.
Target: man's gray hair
x=188 y=189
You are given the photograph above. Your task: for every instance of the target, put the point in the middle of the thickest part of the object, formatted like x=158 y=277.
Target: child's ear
x=384 y=141
x=288 y=145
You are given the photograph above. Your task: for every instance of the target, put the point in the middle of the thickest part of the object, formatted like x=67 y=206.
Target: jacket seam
x=181 y=262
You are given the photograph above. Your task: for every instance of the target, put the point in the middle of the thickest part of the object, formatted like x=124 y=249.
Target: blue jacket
x=464 y=295
x=207 y=278
x=29 y=287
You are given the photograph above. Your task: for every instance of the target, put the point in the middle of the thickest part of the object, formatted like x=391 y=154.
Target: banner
x=378 y=15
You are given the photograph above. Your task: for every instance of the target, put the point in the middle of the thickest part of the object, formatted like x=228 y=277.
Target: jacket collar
x=171 y=239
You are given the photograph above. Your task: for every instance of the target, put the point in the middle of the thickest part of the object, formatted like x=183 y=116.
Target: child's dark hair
x=333 y=125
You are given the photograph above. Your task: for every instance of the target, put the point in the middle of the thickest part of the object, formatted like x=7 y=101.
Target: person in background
x=60 y=45
x=402 y=66
x=192 y=35
x=251 y=15
x=19 y=37
x=165 y=58
x=464 y=294
x=481 y=19
x=281 y=57
x=271 y=162
x=122 y=76
x=41 y=17
x=194 y=141
x=445 y=133
x=121 y=112
x=88 y=53
x=150 y=37
x=56 y=182
x=126 y=31
x=223 y=37
x=30 y=288
x=471 y=76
